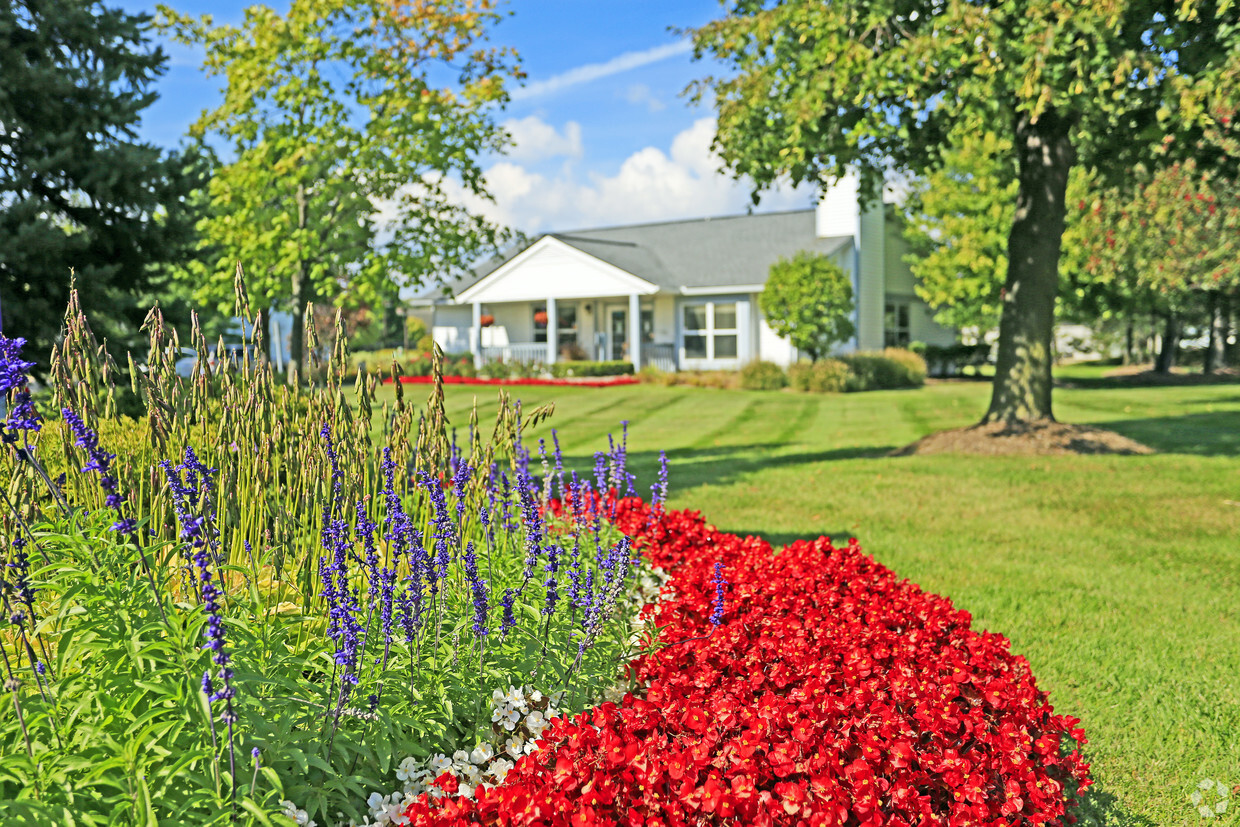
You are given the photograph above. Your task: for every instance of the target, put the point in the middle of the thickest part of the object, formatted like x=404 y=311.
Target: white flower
x=515 y=697
x=535 y=696
x=501 y=767
x=510 y=719
x=465 y=790
x=513 y=747
x=497 y=696
x=440 y=763
x=376 y=802
x=481 y=754
x=530 y=747
x=408 y=769
x=536 y=723
x=460 y=756
x=301 y=817
x=613 y=694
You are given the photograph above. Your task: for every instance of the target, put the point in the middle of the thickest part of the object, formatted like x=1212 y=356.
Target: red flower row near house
x=833 y=693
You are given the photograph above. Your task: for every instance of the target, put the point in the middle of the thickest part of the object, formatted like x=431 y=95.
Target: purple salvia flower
x=716 y=613
x=14 y=378
x=508 y=619
x=101 y=463
x=559 y=461
x=478 y=592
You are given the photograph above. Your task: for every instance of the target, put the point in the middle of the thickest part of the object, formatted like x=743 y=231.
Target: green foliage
x=828 y=376
x=763 y=376
x=585 y=368
x=517 y=369
x=808 y=299
x=79 y=195
x=819 y=89
x=124 y=649
x=889 y=370
x=330 y=110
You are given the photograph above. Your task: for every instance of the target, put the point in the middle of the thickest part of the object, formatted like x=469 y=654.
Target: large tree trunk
x=1022 y=384
x=1218 y=333
x=1170 y=343
x=1129 y=345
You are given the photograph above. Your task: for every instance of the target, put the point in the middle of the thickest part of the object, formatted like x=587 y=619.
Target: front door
x=617 y=333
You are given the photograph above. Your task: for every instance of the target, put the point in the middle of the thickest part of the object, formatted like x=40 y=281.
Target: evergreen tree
x=81 y=198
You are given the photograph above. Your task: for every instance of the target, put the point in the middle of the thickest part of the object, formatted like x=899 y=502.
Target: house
x=679 y=295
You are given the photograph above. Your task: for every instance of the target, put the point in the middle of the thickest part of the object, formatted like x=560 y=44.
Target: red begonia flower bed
x=594 y=382
x=833 y=693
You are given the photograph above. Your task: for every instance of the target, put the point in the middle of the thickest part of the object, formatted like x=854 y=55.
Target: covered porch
x=550 y=330
x=553 y=302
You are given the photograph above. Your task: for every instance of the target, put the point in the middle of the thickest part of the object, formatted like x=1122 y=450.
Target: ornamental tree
x=80 y=196
x=808 y=299
x=817 y=88
x=348 y=122
x=1173 y=236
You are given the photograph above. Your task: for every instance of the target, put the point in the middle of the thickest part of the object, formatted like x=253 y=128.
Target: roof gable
x=550 y=267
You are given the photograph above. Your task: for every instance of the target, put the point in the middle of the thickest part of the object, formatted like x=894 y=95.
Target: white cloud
x=594 y=71
x=650 y=185
x=639 y=94
x=534 y=139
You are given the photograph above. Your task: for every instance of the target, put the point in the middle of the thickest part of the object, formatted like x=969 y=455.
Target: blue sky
x=603 y=134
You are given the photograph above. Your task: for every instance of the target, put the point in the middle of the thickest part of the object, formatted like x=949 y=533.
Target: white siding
x=451 y=328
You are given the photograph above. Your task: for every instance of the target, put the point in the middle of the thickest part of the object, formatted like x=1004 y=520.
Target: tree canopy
x=348 y=122
x=809 y=300
x=80 y=196
x=816 y=88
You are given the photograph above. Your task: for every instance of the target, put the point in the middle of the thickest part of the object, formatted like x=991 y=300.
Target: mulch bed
x=1025 y=438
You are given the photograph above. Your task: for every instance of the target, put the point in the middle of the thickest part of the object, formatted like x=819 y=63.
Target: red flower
x=833 y=693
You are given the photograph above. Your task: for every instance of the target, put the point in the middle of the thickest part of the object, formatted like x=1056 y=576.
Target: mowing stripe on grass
x=795 y=428
x=748 y=413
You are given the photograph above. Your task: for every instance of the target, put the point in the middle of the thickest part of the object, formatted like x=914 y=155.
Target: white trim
x=630 y=282
x=740 y=331
x=723 y=288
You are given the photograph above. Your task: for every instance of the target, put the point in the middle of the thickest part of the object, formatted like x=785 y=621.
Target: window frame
x=711 y=332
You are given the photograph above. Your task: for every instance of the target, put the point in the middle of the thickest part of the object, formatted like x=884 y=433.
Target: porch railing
x=660 y=356
x=517 y=352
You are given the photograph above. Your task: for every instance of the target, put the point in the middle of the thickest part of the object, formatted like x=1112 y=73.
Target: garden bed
x=827 y=691
x=580 y=382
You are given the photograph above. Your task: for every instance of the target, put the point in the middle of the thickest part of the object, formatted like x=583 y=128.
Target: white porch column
x=553 y=331
x=475 y=335
x=635 y=331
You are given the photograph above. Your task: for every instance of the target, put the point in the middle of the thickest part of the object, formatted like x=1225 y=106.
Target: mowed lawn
x=1117 y=577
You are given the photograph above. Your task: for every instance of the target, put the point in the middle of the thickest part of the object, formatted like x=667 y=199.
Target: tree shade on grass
x=1115 y=576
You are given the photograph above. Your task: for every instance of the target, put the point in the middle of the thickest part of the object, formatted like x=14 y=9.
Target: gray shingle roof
x=705 y=252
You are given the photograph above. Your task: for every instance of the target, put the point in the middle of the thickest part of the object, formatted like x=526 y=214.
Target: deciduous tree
x=817 y=88
x=348 y=123
x=809 y=300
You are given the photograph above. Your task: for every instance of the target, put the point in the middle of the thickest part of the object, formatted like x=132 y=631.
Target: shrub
x=828 y=376
x=798 y=375
x=562 y=370
x=763 y=376
x=888 y=370
x=652 y=375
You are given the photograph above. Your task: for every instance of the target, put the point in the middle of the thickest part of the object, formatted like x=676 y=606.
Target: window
x=711 y=330
x=540 y=323
x=895 y=324
x=566 y=323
